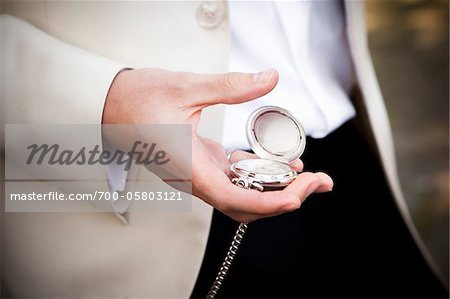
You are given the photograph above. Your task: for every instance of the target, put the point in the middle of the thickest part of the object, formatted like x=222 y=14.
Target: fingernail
x=263 y=77
x=328 y=181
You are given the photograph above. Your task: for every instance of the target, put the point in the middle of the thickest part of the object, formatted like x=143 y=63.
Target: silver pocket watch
x=278 y=139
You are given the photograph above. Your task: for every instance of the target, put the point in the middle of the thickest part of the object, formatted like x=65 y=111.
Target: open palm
x=151 y=96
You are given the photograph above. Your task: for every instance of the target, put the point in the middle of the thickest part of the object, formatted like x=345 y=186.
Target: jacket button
x=210 y=14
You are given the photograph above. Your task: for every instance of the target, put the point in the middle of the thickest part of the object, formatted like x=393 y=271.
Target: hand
x=151 y=96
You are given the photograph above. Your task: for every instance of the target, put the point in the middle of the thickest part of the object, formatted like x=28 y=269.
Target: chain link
x=234 y=246
x=237 y=239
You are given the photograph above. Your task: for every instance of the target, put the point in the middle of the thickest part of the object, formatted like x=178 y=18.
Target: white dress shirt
x=306 y=42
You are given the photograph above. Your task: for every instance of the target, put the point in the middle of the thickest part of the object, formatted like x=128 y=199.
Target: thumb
x=234 y=88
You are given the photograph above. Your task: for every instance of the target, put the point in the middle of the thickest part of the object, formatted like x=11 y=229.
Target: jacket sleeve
x=44 y=80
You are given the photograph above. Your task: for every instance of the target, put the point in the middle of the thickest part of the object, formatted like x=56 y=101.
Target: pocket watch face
x=262 y=166
x=268 y=173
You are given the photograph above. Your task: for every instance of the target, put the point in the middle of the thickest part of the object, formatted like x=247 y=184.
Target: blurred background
x=409 y=42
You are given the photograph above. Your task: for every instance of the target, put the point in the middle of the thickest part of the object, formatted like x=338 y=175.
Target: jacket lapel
x=377 y=117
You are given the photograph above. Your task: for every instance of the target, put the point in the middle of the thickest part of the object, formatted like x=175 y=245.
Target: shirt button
x=210 y=14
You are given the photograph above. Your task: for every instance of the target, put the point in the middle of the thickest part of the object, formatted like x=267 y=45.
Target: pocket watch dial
x=268 y=173
x=261 y=166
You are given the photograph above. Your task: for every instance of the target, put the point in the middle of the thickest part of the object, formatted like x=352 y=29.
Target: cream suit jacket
x=58 y=59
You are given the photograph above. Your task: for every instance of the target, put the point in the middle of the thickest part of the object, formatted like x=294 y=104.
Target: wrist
x=115 y=94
